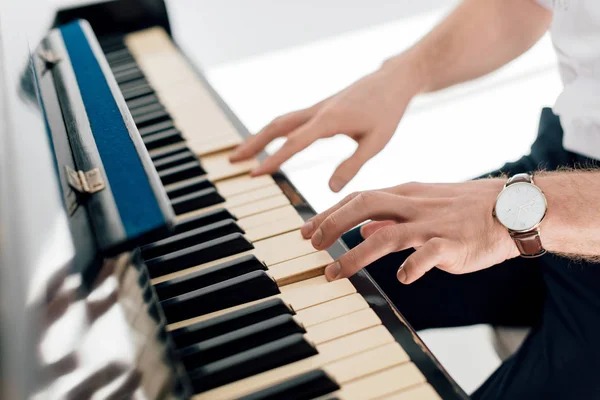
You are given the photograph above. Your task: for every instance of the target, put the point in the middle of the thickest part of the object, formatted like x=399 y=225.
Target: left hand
x=450 y=225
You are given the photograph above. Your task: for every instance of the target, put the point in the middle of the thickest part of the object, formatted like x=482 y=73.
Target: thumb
x=366 y=149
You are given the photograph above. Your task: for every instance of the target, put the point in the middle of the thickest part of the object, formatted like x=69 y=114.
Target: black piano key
x=235 y=342
x=176 y=159
x=125 y=67
x=208 y=276
x=146 y=108
x=158 y=127
x=160 y=139
x=133 y=84
x=306 y=386
x=117 y=54
x=181 y=172
x=232 y=292
x=196 y=201
x=188 y=186
x=151 y=118
x=111 y=43
x=141 y=102
x=251 y=362
x=203 y=219
x=137 y=92
x=167 y=151
x=120 y=61
x=190 y=238
x=229 y=322
x=128 y=76
x=198 y=254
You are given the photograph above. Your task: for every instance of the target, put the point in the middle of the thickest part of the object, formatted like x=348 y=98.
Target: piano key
x=166 y=151
x=341 y=326
x=136 y=84
x=189 y=238
x=259 y=359
x=175 y=159
x=208 y=276
x=381 y=384
x=189 y=185
x=127 y=75
x=274 y=228
x=201 y=219
x=146 y=108
x=292 y=245
x=148 y=41
x=243 y=339
x=298 y=300
x=198 y=254
x=163 y=138
x=242 y=199
x=123 y=52
x=232 y=292
x=199 y=200
x=218 y=144
x=420 y=392
x=137 y=92
x=267 y=217
x=329 y=352
x=230 y=322
x=301 y=268
x=142 y=101
x=312 y=282
x=302 y=387
x=347 y=370
x=151 y=118
x=260 y=206
x=125 y=67
x=241 y=184
x=181 y=172
x=158 y=127
x=331 y=309
x=219 y=168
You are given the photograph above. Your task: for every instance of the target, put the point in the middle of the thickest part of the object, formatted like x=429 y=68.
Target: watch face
x=520 y=206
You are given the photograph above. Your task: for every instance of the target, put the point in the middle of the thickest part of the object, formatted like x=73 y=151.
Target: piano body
x=137 y=262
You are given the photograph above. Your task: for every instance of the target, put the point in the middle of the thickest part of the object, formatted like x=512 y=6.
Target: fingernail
x=333 y=270
x=307 y=228
x=317 y=238
x=336 y=184
x=401 y=274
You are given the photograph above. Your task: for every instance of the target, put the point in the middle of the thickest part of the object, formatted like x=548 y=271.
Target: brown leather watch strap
x=529 y=243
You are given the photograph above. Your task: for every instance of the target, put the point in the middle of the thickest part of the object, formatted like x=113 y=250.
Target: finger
x=435 y=252
x=367 y=205
x=313 y=223
x=297 y=141
x=386 y=240
x=367 y=148
x=370 y=228
x=280 y=126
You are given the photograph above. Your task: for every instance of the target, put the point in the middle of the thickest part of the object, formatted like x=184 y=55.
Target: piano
x=138 y=262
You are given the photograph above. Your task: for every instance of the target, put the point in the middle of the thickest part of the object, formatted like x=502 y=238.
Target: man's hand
x=451 y=226
x=368 y=111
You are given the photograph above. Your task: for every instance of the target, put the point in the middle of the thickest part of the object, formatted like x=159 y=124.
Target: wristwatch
x=520 y=207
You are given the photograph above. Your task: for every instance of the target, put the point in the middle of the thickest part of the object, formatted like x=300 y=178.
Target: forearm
x=478 y=37
x=572 y=223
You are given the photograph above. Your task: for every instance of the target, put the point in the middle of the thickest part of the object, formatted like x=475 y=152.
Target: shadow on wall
x=228 y=30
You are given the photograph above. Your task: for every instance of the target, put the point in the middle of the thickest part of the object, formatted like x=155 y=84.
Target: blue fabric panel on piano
x=135 y=200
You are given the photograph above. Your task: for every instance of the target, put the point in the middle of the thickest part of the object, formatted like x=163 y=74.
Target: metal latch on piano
x=85 y=181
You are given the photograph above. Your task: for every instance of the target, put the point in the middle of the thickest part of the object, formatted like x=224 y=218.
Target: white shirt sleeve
x=546 y=3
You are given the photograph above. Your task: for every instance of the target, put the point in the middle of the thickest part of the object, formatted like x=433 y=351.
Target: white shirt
x=575 y=32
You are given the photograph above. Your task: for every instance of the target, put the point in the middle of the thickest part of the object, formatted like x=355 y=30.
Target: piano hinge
x=85 y=182
x=49 y=58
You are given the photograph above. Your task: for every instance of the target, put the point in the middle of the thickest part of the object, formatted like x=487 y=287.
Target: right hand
x=368 y=111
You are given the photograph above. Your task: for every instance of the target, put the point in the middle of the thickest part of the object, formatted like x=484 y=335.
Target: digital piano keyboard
x=181 y=276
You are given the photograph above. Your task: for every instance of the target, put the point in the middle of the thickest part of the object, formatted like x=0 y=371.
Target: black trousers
x=557 y=297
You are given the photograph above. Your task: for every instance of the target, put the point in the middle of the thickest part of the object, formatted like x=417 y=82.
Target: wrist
x=552 y=228
x=407 y=70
